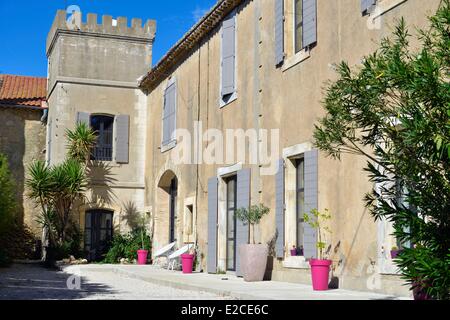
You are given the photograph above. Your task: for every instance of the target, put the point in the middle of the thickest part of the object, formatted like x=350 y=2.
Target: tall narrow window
x=300 y=199
x=231 y=223
x=103 y=128
x=298 y=25
x=173 y=192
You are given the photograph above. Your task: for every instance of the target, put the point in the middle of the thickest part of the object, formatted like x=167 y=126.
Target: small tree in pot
x=253 y=256
x=320 y=268
x=143 y=252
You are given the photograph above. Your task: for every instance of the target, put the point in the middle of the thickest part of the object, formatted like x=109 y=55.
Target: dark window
x=231 y=223
x=173 y=192
x=300 y=201
x=103 y=128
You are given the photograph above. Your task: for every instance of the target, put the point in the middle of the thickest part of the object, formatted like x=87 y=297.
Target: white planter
x=253 y=259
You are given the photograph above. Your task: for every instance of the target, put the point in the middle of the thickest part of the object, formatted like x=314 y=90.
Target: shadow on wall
x=101 y=180
x=131 y=215
x=12 y=144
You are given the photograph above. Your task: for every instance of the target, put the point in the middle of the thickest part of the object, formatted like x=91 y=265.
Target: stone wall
x=22 y=139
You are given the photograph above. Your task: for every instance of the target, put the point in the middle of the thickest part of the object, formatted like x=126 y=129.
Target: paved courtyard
x=32 y=282
x=131 y=282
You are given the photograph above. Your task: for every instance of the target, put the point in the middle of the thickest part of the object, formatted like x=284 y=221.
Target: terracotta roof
x=182 y=48
x=23 y=91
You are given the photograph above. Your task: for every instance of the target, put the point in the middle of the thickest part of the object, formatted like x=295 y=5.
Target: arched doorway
x=98 y=233
x=166 y=223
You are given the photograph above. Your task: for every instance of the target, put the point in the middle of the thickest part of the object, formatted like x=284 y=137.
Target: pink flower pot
x=320 y=271
x=187 y=262
x=142 y=256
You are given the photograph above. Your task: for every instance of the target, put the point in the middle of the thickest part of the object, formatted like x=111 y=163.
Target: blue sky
x=24 y=25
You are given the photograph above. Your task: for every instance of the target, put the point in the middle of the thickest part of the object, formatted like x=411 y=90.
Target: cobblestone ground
x=32 y=282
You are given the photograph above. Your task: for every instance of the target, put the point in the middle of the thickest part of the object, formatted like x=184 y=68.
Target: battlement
x=108 y=26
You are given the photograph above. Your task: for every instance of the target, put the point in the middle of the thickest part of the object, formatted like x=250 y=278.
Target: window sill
x=390 y=269
x=102 y=164
x=294 y=60
x=172 y=144
x=385 y=6
x=298 y=262
x=229 y=101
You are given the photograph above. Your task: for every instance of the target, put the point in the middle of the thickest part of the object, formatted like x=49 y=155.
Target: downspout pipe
x=44 y=115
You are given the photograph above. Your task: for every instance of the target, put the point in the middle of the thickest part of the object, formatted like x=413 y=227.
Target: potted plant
x=320 y=268
x=293 y=251
x=253 y=257
x=142 y=253
x=187 y=261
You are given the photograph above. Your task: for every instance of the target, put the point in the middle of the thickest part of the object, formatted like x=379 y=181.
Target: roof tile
x=22 y=90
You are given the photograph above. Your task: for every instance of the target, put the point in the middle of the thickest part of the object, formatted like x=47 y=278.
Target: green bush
x=126 y=246
x=8 y=203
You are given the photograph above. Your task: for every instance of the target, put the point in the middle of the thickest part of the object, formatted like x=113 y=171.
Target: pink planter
x=187 y=262
x=142 y=256
x=320 y=271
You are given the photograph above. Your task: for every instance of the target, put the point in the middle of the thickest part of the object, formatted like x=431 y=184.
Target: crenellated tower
x=93 y=71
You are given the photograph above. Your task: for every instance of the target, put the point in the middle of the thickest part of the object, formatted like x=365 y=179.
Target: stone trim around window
x=290 y=214
x=384 y=6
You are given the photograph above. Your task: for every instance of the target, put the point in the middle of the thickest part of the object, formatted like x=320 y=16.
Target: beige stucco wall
x=22 y=140
x=280 y=98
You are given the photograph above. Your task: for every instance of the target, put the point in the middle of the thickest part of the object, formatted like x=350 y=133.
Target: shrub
x=126 y=246
x=8 y=203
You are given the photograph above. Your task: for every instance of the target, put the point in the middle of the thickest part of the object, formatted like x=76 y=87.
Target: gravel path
x=31 y=282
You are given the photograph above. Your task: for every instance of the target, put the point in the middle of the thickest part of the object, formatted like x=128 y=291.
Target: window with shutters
x=228 y=92
x=295 y=31
x=169 y=116
x=103 y=128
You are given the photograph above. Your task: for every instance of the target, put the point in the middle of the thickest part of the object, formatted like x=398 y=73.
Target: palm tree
x=81 y=140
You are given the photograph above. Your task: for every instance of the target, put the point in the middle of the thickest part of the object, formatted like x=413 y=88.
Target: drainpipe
x=44 y=115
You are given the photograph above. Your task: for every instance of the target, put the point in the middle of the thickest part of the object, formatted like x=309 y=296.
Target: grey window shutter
x=169 y=114
x=212 y=225
x=83 y=117
x=367 y=5
x=279 y=31
x=279 y=209
x=228 y=54
x=309 y=22
x=122 y=133
x=242 y=201
x=311 y=201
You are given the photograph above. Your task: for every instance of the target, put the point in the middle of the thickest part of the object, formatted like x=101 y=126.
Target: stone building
x=223 y=121
x=93 y=70
x=255 y=65
x=22 y=134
